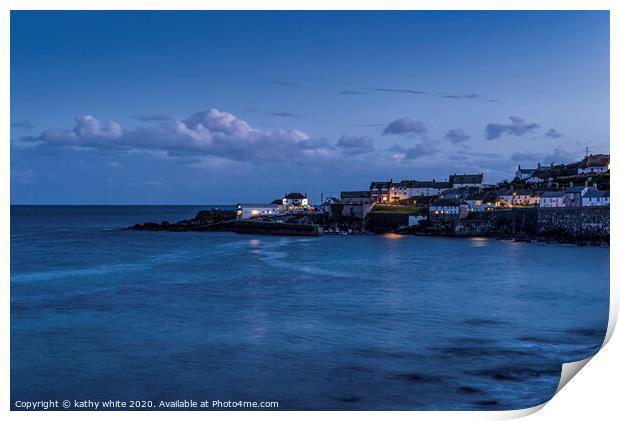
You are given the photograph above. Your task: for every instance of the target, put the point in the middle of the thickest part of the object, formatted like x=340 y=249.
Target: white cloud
x=208 y=133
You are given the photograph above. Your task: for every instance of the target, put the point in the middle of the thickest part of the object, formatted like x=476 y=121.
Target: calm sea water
x=333 y=322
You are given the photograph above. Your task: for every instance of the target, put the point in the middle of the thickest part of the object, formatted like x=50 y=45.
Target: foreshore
x=578 y=226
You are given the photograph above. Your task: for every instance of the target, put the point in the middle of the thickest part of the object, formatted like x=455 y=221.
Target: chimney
x=571 y=184
x=538 y=166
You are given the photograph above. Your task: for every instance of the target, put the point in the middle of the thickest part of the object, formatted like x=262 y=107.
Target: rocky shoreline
x=215 y=220
x=494 y=226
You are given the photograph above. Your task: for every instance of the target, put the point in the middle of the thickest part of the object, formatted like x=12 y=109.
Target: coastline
x=213 y=220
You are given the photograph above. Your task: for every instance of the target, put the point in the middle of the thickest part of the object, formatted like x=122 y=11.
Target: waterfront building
x=573 y=195
x=440 y=209
x=594 y=164
x=400 y=191
x=250 y=210
x=596 y=198
x=329 y=206
x=552 y=199
x=380 y=191
x=483 y=201
x=279 y=204
x=295 y=201
x=520 y=197
x=407 y=189
x=466 y=180
x=428 y=188
x=355 y=203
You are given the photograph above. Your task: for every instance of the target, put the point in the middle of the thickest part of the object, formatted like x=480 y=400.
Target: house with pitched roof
x=594 y=164
x=380 y=191
x=596 y=198
x=573 y=195
x=295 y=200
x=552 y=199
x=466 y=180
x=442 y=209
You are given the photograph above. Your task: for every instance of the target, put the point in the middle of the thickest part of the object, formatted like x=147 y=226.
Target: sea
x=374 y=322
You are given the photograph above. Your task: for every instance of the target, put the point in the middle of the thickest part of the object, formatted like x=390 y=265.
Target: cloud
x=456 y=136
x=518 y=127
x=420 y=150
x=356 y=144
x=285 y=83
x=209 y=133
x=25 y=124
x=553 y=133
x=466 y=96
x=440 y=95
x=405 y=126
x=526 y=156
x=286 y=114
x=154 y=117
x=352 y=92
x=400 y=91
x=559 y=155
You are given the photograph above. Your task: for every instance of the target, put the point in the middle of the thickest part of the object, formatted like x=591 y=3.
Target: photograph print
x=306 y=210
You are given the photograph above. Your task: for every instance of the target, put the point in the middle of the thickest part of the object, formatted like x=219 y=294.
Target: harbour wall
x=554 y=223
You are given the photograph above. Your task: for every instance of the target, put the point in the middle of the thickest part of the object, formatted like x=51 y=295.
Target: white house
x=249 y=210
x=399 y=191
x=520 y=197
x=552 y=199
x=534 y=175
x=407 y=189
x=428 y=188
x=447 y=208
x=596 y=198
x=524 y=173
x=482 y=201
x=380 y=191
x=295 y=200
x=594 y=164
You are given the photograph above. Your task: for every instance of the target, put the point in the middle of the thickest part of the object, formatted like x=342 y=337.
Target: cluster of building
x=291 y=202
x=461 y=194
x=589 y=166
x=458 y=195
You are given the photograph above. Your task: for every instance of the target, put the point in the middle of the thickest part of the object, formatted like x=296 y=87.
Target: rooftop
x=466 y=178
x=295 y=196
x=549 y=194
x=354 y=194
x=599 y=160
x=596 y=193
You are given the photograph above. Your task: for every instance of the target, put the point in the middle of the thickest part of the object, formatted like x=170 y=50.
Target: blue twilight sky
x=226 y=107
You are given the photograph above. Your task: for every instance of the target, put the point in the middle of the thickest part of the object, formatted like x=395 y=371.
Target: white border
x=593 y=395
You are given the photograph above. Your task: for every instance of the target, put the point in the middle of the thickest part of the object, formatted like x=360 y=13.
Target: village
x=564 y=202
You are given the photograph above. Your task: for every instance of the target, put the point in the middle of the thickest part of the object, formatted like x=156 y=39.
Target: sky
x=202 y=107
